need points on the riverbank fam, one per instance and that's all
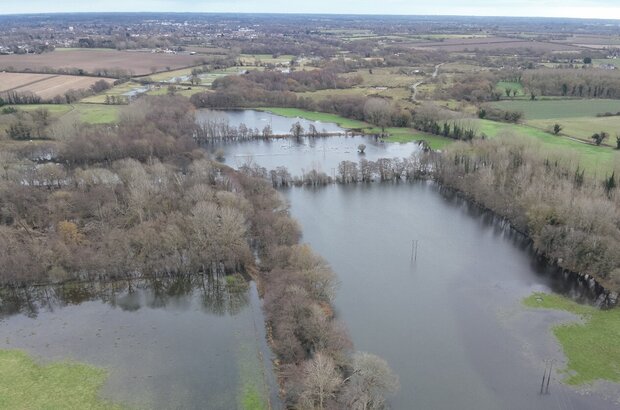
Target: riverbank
(590, 344)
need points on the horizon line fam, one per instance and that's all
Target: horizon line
(309, 14)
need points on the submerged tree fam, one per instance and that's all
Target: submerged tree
(369, 382)
(297, 130)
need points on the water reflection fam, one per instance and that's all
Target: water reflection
(218, 295)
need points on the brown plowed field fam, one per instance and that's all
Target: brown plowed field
(91, 61)
(45, 86)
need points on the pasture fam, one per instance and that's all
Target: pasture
(46, 86)
(88, 113)
(94, 61)
(597, 160)
(556, 108)
(583, 127)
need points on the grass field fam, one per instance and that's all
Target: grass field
(597, 160)
(318, 116)
(603, 61)
(591, 346)
(56, 386)
(583, 127)
(545, 109)
(503, 85)
(88, 113)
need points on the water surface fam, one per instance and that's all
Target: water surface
(450, 322)
(186, 343)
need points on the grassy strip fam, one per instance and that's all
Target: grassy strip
(592, 346)
(436, 142)
(25, 384)
(396, 134)
(98, 113)
(318, 116)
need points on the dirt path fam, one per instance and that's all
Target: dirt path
(414, 87)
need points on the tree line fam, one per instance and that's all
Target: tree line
(570, 216)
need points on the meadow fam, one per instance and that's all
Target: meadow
(556, 108)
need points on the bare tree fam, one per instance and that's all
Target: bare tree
(297, 130)
(378, 112)
(370, 380)
(321, 381)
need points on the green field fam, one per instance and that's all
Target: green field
(97, 113)
(502, 85)
(583, 127)
(56, 110)
(56, 386)
(545, 109)
(602, 61)
(318, 116)
(591, 346)
(597, 160)
(436, 142)
(88, 113)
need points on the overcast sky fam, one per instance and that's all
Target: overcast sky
(544, 8)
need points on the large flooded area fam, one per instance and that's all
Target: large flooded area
(448, 317)
(428, 281)
(184, 343)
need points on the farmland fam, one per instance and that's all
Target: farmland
(46, 86)
(96, 61)
(545, 109)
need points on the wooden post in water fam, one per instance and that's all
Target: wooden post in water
(549, 377)
(414, 250)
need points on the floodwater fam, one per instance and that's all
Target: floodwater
(183, 343)
(447, 318)
(450, 322)
(259, 119)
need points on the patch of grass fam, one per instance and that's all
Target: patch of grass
(24, 384)
(252, 393)
(436, 142)
(54, 109)
(557, 108)
(97, 113)
(597, 62)
(592, 346)
(583, 127)
(252, 399)
(502, 85)
(318, 116)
